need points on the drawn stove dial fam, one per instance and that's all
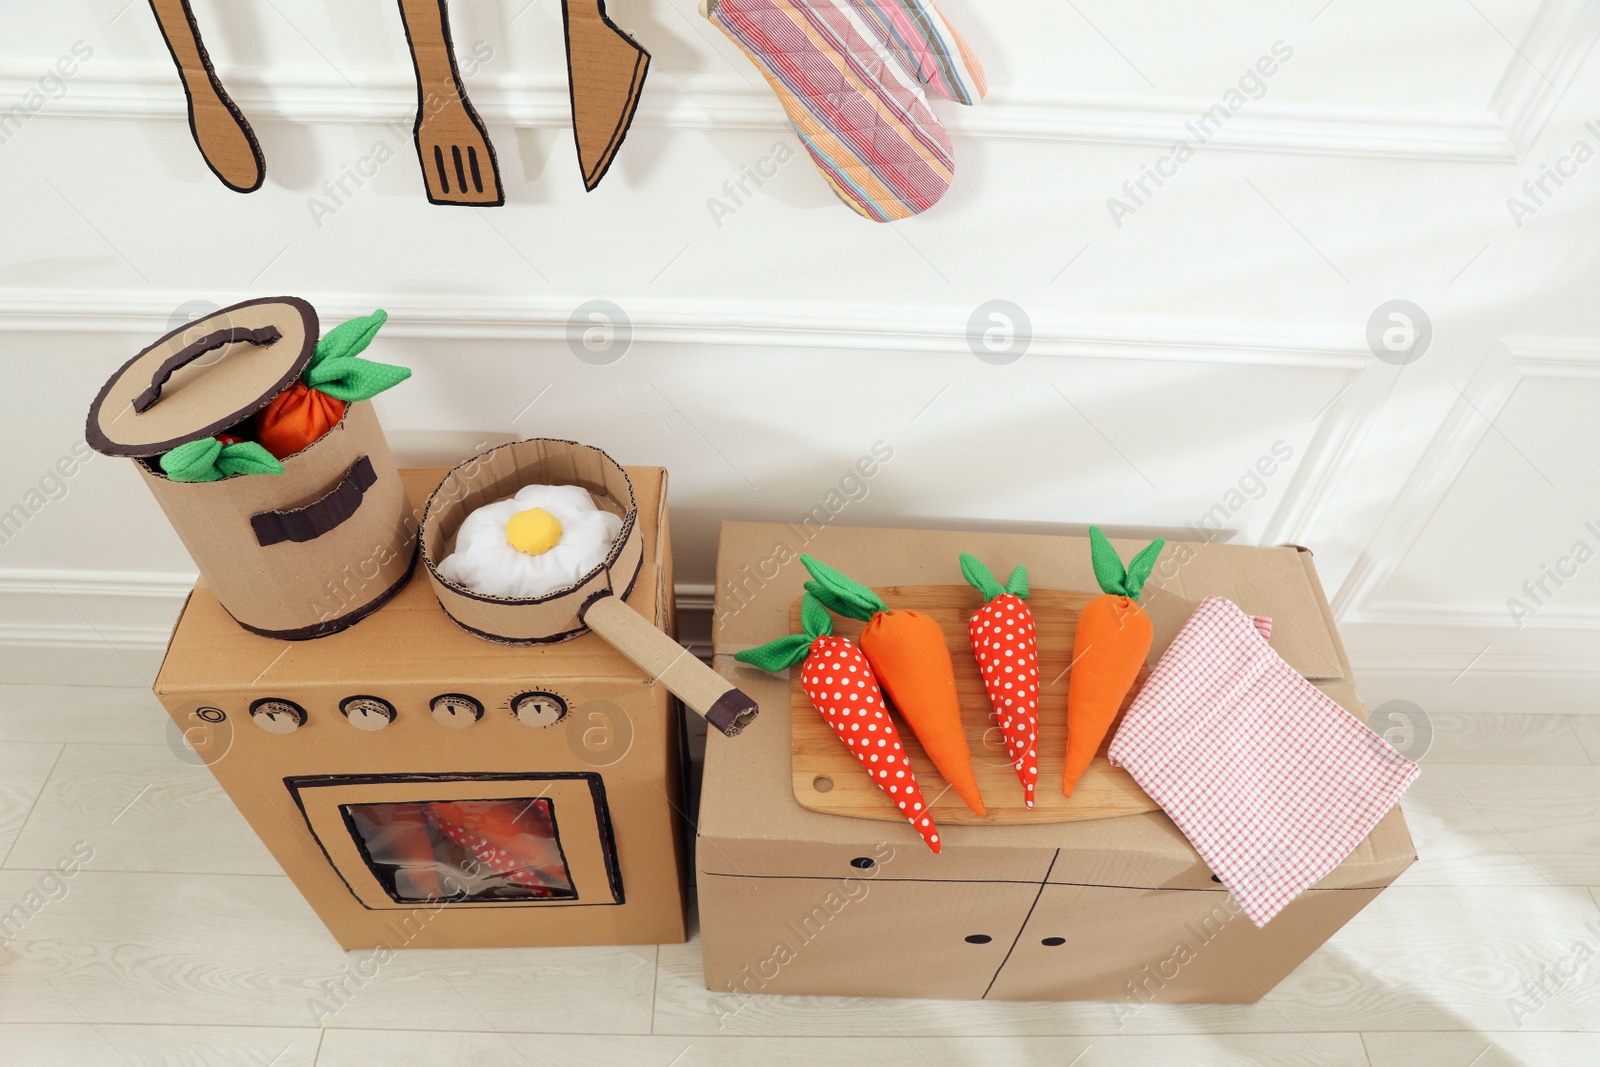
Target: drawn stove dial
(277, 716)
(367, 713)
(455, 710)
(539, 708)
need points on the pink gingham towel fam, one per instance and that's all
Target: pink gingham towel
(1272, 782)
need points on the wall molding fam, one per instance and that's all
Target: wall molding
(803, 325)
(1503, 130)
(92, 627)
(730, 104)
(1466, 424)
(1558, 40)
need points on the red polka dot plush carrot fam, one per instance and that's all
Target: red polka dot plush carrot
(1113, 640)
(840, 683)
(910, 655)
(1003, 639)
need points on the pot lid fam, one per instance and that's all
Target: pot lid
(203, 377)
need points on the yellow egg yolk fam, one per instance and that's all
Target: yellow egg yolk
(534, 531)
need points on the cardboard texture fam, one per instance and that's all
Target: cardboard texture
(224, 137)
(410, 709)
(1119, 910)
(295, 555)
(828, 778)
(595, 601)
(605, 76)
(458, 161)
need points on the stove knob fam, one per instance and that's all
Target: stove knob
(539, 708)
(455, 710)
(367, 713)
(277, 716)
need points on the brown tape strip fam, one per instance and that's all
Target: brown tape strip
(317, 518)
(266, 335)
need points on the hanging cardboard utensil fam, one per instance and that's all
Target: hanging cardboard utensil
(226, 141)
(295, 555)
(594, 602)
(605, 75)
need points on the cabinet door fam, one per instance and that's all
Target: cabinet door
(857, 936)
(1136, 946)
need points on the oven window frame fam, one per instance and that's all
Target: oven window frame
(298, 785)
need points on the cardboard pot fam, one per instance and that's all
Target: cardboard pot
(297, 555)
(595, 601)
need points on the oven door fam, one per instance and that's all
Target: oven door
(465, 840)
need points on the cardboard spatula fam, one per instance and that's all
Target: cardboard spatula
(225, 139)
(457, 157)
(605, 75)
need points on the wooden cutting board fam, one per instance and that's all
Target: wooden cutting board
(828, 779)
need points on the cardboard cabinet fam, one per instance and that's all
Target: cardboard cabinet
(1118, 910)
(870, 936)
(1185, 946)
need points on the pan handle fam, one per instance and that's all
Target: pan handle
(697, 685)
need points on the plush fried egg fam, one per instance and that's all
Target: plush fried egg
(543, 539)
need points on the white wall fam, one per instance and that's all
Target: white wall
(1170, 348)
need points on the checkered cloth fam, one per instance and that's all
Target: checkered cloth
(1272, 782)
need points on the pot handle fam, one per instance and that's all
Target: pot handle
(266, 335)
(700, 687)
(318, 517)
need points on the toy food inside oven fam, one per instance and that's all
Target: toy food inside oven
(465, 840)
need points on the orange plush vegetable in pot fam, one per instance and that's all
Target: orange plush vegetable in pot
(1113, 640)
(840, 683)
(311, 407)
(911, 658)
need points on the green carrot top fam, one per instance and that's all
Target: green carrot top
(979, 577)
(841, 594)
(336, 370)
(1108, 569)
(785, 652)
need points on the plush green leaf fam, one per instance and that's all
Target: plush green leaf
(1107, 564)
(777, 655)
(336, 370)
(814, 618)
(979, 577)
(1017, 584)
(1140, 566)
(209, 460)
(842, 595)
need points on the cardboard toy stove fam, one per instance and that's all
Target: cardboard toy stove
(1119, 909)
(427, 789)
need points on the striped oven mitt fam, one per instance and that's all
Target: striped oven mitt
(850, 74)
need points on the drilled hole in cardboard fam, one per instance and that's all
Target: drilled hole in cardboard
(863, 863)
(1214, 878)
(1054, 941)
(978, 939)
(822, 783)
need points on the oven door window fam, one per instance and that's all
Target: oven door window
(502, 849)
(465, 840)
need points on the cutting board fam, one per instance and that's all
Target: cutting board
(827, 778)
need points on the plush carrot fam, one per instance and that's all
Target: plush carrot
(1003, 640)
(842, 687)
(910, 656)
(1112, 643)
(301, 414)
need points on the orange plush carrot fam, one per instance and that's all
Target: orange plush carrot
(911, 658)
(1112, 643)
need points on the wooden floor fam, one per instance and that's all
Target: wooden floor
(181, 943)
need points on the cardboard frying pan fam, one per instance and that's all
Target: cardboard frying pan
(596, 602)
